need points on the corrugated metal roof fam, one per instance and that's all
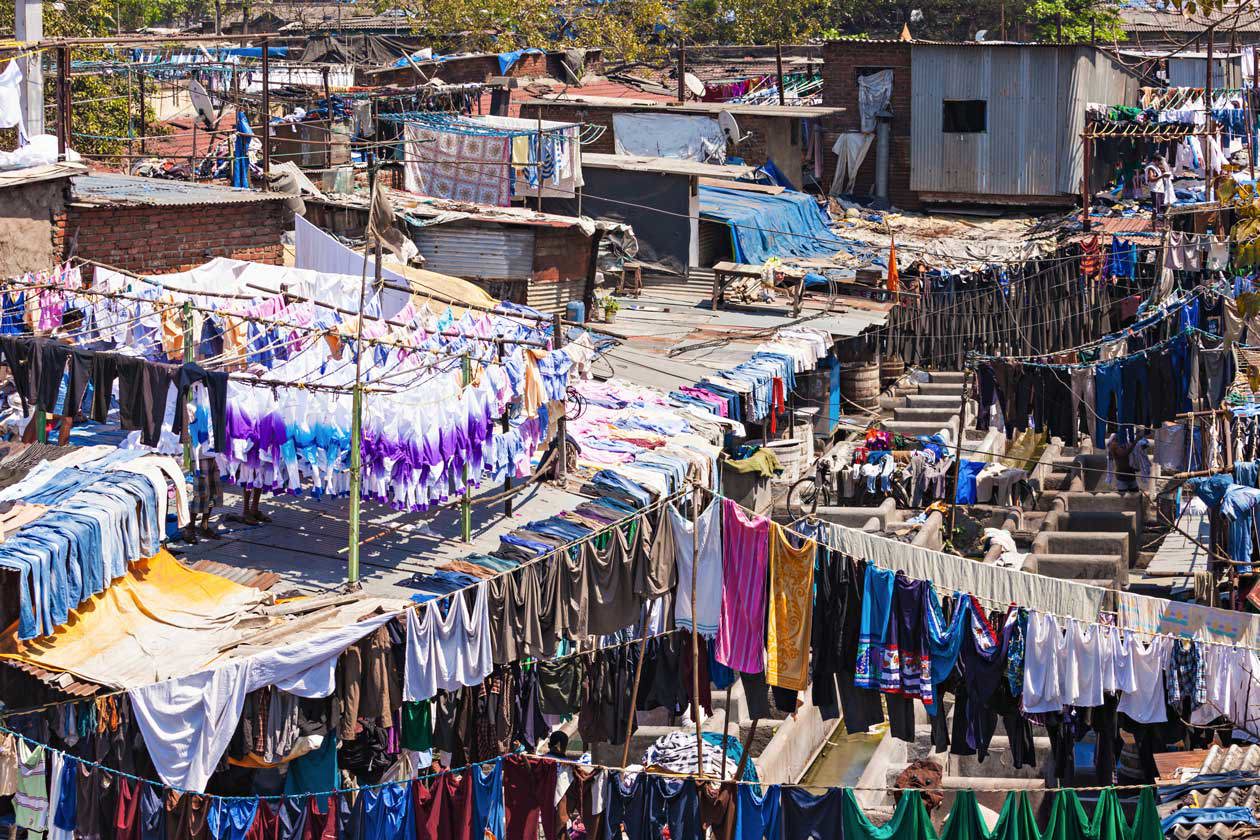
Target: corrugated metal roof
(1138, 19)
(243, 575)
(110, 189)
(34, 174)
(639, 104)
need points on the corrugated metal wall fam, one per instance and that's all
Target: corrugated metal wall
(481, 250)
(552, 297)
(1035, 108)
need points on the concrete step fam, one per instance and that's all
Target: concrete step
(953, 376)
(902, 427)
(924, 415)
(933, 401)
(952, 389)
(1073, 566)
(857, 517)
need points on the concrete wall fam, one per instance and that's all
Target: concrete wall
(33, 220)
(166, 239)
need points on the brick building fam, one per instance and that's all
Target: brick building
(975, 122)
(155, 227)
(770, 132)
(136, 224)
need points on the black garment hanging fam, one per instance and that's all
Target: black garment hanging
(216, 386)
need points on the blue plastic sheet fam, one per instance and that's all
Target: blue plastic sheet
(507, 59)
(762, 226)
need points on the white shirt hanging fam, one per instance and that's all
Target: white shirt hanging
(1045, 653)
(11, 100)
(1148, 702)
(708, 575)
(447, 652)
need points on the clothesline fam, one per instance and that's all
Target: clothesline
(576, 763)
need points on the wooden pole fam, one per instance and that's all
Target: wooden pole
(695, 627)
(1208, 127)
(638, 673)
(538, 163)
(682, 71)
(63, 102)
(356, 420)
(778, 70)
(1255, 108)
(328, 155)
(962, 419)
(726, 729)
(266, 133)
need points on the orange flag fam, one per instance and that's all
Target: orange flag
(893, 282)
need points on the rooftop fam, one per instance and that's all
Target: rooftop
(639, 104)
(106, 189)
(669, 336)
(673, 166)
(35, 174)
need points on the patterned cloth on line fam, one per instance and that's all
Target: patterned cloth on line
(474, 168)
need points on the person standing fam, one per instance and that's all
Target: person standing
(1159, 180)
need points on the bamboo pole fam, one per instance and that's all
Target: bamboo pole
(695, 627)
(638, 674)
(356, 431)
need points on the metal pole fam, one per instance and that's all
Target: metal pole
(28, 26)
(465, 503)
(1087, 142)
(266, 125)
(778, 71)
(356, 420)
(562, 426)
(695, 627)
(218, 17)
(144, 126)
(188, 357)
(1255, 106)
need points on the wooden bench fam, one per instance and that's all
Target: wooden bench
(725, 273)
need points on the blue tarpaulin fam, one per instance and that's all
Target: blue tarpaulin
(789, 224)
(254, 52)
(507, 59)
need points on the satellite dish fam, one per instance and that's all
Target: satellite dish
(982, 34)
(730, 128)
(694, 84)
(201, 102)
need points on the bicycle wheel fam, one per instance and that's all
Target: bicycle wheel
(802, 497)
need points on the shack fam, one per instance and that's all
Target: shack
(968, 123)
(537, 259)
(658, 197)
(788, 135)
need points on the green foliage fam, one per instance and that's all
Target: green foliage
(100, 101)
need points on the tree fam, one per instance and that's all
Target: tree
(101, 114)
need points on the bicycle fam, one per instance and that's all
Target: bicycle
(804, 495)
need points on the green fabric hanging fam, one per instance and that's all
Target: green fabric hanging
(1068, 820)
(910, 821)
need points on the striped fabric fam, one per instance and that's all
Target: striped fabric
(741, 630)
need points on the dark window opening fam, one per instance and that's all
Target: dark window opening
(964, 116)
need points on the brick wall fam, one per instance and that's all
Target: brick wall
(842, 62)
(479, 68)
(166, 239)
